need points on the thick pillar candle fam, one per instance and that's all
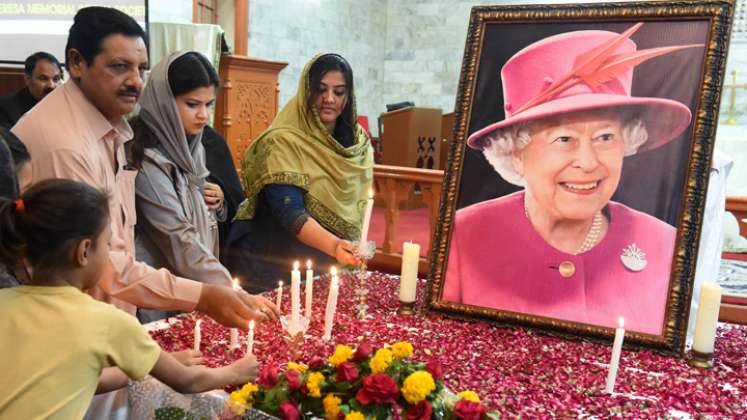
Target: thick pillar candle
(408, 280)
(707, 318)
(295, 294)
(367, 217)
(309, 293)
(615, 359)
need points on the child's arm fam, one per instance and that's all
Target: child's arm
(111, 379)
(193, 379)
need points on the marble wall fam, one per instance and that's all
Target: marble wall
(296, 30)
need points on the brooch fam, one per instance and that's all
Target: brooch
(633, 258)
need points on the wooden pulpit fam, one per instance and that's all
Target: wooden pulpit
(447, 135)
(247, 101)
(411, 137)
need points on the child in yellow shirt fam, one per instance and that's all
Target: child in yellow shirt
(56, 340)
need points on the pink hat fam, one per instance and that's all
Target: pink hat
(583, 70)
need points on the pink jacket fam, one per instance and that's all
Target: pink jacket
(497, 260)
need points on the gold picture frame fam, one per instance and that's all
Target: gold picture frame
(687, 196)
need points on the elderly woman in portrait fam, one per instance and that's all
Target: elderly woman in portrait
(561, 248)
(306, 181)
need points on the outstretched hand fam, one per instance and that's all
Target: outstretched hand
(235, 308)
(345, 253)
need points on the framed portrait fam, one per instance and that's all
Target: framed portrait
(576, 182)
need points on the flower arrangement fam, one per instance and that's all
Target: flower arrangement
(357, 385)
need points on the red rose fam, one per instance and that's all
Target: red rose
(363, 352)
(421, 411)
(289, 411)
(294, 379)
(316, 363)
(347, 372)
(304, 390)
(379, 388)
(435, 369)
(468, 410)
(268, 377)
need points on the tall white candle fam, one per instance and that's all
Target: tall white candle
(707, 320)
(279, 297)
(198, 335)
(615, 360)
(250, 339)
(408, 279)
(329, 313)
(295, 294)
(367, 216)
(235, 332)
(309, 294)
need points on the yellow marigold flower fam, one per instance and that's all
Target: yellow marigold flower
(342, 354)
(417, 386)
(299, 367)
(331, 406)
(355, 415)
(313, 383)
(246, 392)
(381, 360)
(469, 396)
(402, 349)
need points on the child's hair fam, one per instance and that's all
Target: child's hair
(48, 219)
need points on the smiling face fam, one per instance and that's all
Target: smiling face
(330, 98)
(114, 79)
(194, 108)
(573, 163)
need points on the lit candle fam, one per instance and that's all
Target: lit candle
(367, 217)
(198, 335)
(250, 339)
(309, 288)
(235, 332)
(295, 294)
(329, 313)
(707, 319)
(279, 297)
(615, 360)
(408, 279)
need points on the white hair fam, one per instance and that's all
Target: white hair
(502, 143)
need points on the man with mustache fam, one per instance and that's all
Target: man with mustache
(43, 73)
(78, 132)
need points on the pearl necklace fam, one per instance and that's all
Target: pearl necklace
(592, 236)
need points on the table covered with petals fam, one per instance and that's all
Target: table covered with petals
(517, 372)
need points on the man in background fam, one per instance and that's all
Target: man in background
(43, 73)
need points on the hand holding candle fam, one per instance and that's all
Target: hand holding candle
(309, 289)
(615, 360)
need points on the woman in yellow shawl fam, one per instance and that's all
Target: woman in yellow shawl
(306, 181)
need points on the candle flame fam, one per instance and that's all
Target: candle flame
(251, 324)
(333, 271)
(280, 283)
(621, 322)
(235, 283)
(308, 264)
(370, 193)
(296, 265)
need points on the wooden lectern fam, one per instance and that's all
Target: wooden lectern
(411, 137)
(247, 102)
